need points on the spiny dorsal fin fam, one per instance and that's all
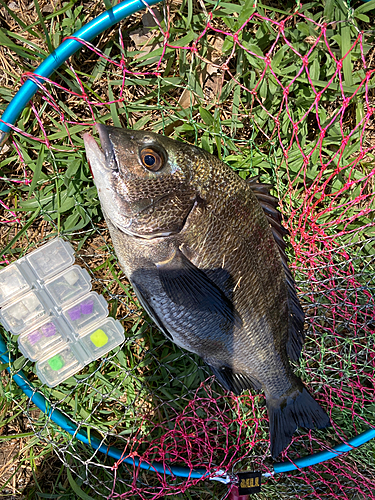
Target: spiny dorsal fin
(270, 204)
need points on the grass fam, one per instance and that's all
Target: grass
(140, 390)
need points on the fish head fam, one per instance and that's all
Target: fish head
(144, 180)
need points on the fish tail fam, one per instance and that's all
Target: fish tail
(296, 409)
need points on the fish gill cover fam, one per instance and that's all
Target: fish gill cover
(283, 93)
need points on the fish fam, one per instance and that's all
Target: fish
(204, 251)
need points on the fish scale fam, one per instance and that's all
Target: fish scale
(195, 241)
(240, 263)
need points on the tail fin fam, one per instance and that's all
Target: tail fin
(297, 409)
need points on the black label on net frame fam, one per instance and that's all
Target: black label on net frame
(249, 482)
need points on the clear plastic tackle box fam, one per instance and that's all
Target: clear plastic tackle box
(62, 325)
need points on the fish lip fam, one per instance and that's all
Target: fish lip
(94, 153)
(107, 147)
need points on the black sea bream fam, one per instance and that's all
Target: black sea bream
(204, 252)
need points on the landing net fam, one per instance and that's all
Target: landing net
(288, 96)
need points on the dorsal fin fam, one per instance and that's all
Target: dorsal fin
(270, 204)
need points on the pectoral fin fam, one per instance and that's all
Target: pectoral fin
(187, 285)
(149, 309)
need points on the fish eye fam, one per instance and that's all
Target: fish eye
(151, 159)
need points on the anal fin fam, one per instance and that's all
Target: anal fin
(235, 382)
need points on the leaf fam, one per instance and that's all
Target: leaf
(363, 17)
(66, 203)
(71, 221)
(347, 62)
(20, 233)
(206, 144)
(19, 363)
(262, 89)
(328, 9)
(77, 490)
(63, 133)
(228, 44)
(246, 11)
(43, 25)
(278, 57)
(255, 49)
(139, 124)
(185, 40)
(18, 20)
(303, 28)
(195, 85)
(235, 109)
(273, 9)
(230, 8)
(190, 14)
(113, 108)
(72, 169)
(18, 49)
(6, 41)
(315, 70)
(365, 8)
(206, 116)
(187, 99)
(102, 62)
(359, 111)
(227, 89)
(38, 169)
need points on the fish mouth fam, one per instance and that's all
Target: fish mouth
(107, 147)
(103, 157)
(95, 156)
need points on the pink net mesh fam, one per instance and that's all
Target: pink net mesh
(275, 92)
